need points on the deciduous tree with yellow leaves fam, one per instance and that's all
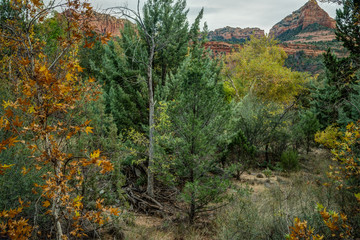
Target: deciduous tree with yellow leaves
(258, 68)
(48, 95)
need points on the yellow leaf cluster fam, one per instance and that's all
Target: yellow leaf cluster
(329, 137)
(14, 228)
(337, 223)
(301, 231)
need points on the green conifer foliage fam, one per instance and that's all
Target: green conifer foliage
(348, 27)
(306, 128)
(125, 94)
(198, 117)
(106, 139)
(241, 153)
(163, 36)
(336, 95)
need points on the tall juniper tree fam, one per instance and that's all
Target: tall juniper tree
(111, 65)
(198, 116)
(163, 34)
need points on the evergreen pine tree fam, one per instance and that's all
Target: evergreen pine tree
(334, 98)
(197, 114)
(125, 95)
(163, 35)
(348, 27)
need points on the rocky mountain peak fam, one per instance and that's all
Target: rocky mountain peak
(309, 14)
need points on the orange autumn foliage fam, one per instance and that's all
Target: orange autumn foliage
(344, 148)
(48, 95)
(15, 228)
(335, 222)
(301, 231)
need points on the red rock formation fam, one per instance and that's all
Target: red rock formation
(309, 50)
(221, 48)
(102, 23)
(229, 33)
(309, 14)
(105, 23)
(312, 13)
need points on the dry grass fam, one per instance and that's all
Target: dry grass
(269, 209)
(275, 202)
(154, 228)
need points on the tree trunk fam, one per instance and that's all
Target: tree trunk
(192, 209)
(267, 158)
(56, 205)
(150, 182)
(192, 201)
(57, 196)
(238, 175)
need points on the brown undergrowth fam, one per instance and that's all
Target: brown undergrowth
(260, 208)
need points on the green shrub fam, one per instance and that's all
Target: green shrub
(289, 160)
(267, 172)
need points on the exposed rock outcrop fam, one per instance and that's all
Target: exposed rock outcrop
(308, 49)
(220, 48)
(235, 34)
(223, 48)
(105, 23)
(307, 15)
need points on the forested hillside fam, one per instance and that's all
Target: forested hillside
(149, 135)
(305, 35)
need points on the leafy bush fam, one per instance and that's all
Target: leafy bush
(306, 128)
(267, 172)
(345, 175)
(289, 160)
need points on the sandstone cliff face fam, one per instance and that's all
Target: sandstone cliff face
(221, 48)
(309, 50)
(307, 15)
(105, 23)
(235, 34)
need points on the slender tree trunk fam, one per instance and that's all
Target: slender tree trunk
(56, 205)
(192, 209)
(267, 158)
(150, 182)
(238, 175)
(57, 196)
(192, 203)
(192, 175)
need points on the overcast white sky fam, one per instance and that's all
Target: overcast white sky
(234, 13)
